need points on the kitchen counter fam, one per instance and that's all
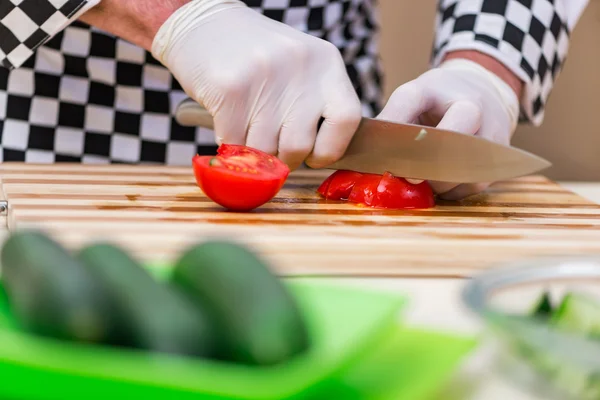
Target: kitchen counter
(436, 303)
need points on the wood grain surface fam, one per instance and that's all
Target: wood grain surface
(157, 211)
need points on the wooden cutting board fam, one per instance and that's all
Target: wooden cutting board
(158, 211)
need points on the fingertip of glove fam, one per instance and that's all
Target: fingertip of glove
(462, 191)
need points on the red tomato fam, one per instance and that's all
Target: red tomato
(322, 190)
(396, 193)
(339, 185)
(365, 189)
(240, 178)
(342, 183)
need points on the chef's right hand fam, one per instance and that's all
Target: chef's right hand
(266, 84)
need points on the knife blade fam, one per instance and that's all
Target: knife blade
(414, 151)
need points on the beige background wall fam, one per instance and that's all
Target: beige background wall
(570, 134)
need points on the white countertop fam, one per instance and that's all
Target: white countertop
(436, 303)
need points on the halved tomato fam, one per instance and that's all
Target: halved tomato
(365, 189)
(240, 178)
(339, 185)
(396, 193)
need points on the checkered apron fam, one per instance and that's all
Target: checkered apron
(87, 96)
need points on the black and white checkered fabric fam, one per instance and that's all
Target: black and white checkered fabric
(531, 37)
(25, 24)
(71, 92)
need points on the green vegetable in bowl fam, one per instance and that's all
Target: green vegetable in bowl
(543, 307)
(578, 313)
(575, 313)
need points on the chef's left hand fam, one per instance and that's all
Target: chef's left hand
(460, 95)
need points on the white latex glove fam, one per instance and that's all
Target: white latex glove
(463, 96)
(266, 84)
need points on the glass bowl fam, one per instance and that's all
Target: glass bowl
(550, 361)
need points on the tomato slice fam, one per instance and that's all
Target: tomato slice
(339, 185)
(397, 193)
(240, 178)
(322, 190)
(365, 189)
(342, 184)
(377, 191)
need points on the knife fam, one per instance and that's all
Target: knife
(413, 151)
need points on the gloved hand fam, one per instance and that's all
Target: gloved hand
(462, 96)
(266, 84)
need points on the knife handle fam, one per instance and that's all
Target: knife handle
(191, 113)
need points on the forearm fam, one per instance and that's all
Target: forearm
(492, 64)
(136, 21)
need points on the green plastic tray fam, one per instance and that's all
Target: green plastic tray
(345, 323)
(410, 364)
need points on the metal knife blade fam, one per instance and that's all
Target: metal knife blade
(414, 151)
(421, 152)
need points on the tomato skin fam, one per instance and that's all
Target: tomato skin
(239, 178)
(339, 185)
(378, 191)
(322, 190)
(342, 184)
(396, 193)
(365, 189)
